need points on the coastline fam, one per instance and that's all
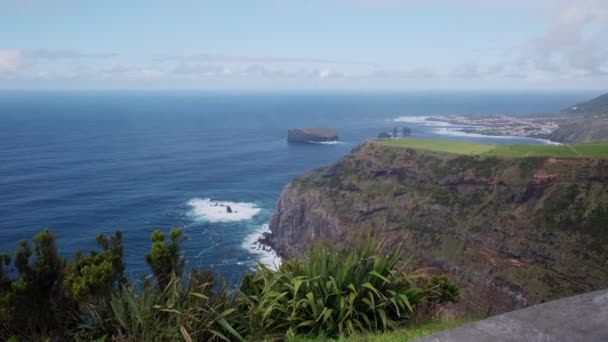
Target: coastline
(254, 243)
(496, 126)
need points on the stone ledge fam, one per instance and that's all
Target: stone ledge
(573, 319)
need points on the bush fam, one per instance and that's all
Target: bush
(174, 313)
(164, 258)
(34, 304)
(330, 292)
(339, 292)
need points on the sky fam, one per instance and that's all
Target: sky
(304, 44)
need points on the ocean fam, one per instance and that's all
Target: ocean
(82, 163)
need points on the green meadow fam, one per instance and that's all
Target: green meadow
(515, 151)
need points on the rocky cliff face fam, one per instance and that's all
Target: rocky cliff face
(511, 232)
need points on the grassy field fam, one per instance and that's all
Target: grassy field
(396, 336)
(457, 147)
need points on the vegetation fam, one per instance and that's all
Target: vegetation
(402, 335)
(341, 292)
(457, 147)
(514, 151)
(451, 207)
(331, 293)
(598, 105)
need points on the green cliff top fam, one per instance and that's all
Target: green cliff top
(466, 148)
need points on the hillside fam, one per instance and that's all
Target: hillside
(595, 106)
(511, 230)
(583, 122)
(581, 129)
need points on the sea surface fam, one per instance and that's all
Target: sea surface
(82, 163)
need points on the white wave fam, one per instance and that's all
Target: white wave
(217, 211)
(424, 120)
(264, 254)
(548, 142)
(458, 133)
(333, 142)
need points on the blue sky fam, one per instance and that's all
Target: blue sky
(304, 44)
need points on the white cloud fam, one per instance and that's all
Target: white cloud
(64, 54)
(415, 73)
(10, 61)
(131, 73)
(468, 70)
(253, 59)
(576, 43)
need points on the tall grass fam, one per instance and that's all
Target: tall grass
(335, 292)
(174, 313)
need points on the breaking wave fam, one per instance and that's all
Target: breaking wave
(423, 120)
(264, 254)
(333, 142)
(205, 209)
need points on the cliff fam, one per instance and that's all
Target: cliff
(299, 135)
(511, 231)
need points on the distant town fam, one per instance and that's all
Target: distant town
(500, 125)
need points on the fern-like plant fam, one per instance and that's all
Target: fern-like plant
(334, 292)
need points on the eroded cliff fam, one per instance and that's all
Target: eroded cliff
(511, 232)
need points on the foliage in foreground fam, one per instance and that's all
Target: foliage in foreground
(340, 292)
(403, 334)
(329, 293)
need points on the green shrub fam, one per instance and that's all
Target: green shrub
(98, 272)
(34, 304)
(331, 292)
(175, 312)
(164, 258)
(334, 292)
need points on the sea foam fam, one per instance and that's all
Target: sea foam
(333, 142)
(206, 209)
(423, 120)
(458, 133)
(264, 254)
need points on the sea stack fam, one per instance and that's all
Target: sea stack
(307, 135)
(384, 135)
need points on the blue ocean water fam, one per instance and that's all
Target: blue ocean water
(81, 163)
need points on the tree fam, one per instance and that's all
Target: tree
(164, 258)
(99, 272)
(34, 303)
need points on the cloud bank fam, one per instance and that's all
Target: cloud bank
(571, 50)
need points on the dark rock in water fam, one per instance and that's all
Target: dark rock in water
(406, 132)
(228, 210)
(302, 135)
(384, 135)
(264, 239)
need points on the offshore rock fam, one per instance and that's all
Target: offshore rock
(304, 135)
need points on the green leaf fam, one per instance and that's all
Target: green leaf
(229, 328)
(379, 276)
